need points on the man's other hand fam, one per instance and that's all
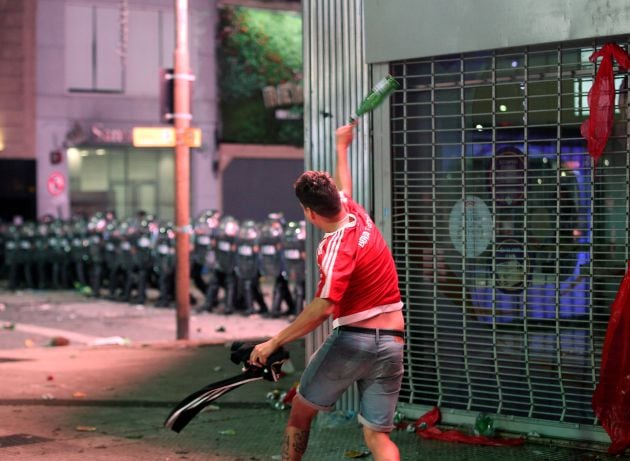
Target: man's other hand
(261, 353)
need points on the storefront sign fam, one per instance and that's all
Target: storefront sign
(101, 134)
(165, 136)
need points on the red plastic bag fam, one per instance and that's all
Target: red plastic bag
(611, 399)
(426, 428)
(601, 98)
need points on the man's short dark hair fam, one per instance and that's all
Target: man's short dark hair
(317, 190)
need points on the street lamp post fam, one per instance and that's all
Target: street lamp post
(182, 117)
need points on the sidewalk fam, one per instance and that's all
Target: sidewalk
(97, 403)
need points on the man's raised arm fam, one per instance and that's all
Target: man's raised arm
(343, 178)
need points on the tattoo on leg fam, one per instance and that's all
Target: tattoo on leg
(294, 443)
(285, 447)
(300, 441)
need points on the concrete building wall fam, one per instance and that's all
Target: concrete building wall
(17, 79)
(403, 29)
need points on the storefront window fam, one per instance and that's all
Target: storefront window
(123, 179)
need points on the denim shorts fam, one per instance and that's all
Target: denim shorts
(374, 362)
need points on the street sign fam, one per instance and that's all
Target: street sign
(56, 183)
(192, 137)
(165, 136)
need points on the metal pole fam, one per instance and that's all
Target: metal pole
(182, 116)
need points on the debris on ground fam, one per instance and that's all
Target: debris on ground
(364, 453)
(111, 341)
(85, 428)
(58, 341)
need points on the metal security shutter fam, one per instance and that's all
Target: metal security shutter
(510, 245)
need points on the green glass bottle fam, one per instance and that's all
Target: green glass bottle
(376, 97)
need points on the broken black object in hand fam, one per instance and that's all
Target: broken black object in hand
(190, 406)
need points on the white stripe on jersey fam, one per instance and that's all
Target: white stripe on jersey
(328, 264)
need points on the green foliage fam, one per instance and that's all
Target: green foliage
(257, 48)
(247, 121)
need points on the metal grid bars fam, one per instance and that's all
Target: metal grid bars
(510, 244)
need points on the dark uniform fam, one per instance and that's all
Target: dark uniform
(112, 258)
(295, 257)
(247, 268)
(203, 256)
(223, 273)
(41, 253)
(79, 254)
(273, 266)
(96, 250)
(11, 258)
(140, 238)
(26, 257)
(164, 264)
(60, 249)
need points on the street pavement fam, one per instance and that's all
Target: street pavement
(104, 395)
(35, 317)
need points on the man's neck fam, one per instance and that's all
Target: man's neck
(335, 223)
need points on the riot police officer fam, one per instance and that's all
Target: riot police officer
(3, 237)
(112, 257)
(79, 254)
(295, 257)
(164, 264)
(223, 273)
(203, 258)
(41, 251)
(273, 265)
(128, 231)
(60, 249)
(140, 238)
(96, 250)
(11, 258)
(247, 268)
(26, 258)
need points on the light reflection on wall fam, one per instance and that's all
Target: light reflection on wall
(74, 161)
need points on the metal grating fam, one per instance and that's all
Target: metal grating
(510, 244)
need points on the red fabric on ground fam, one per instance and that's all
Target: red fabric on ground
(426, 428)
(611, 399)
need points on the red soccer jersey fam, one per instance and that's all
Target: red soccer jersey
(356, 269)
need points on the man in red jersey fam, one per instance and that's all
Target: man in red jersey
(358, 286)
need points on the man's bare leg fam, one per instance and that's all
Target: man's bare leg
(381, 446)
(297, 430)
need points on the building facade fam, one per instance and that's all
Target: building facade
(510, 239)
(78, 77)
